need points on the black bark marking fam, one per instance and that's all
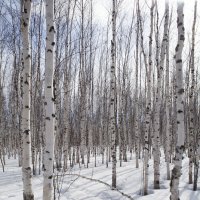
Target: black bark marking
(181, 91)
(43, 168)
(26, 82)
(179, 61)
(182, 37)
(182, 147)
(26, 131)
(27, 57)
(25, 24)
(51, 28)
(177, 47)
(50, 177)
(180, 24)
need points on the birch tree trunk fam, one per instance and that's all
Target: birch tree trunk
(157, 121)
(67, 124)
(193, 157)
(26, 73)
(168, 105)
(112, 127)
(83, 87)
(148, 104)
(137, 140)
(49, 103)
(160, 67)
(176, 172)
(66, 93)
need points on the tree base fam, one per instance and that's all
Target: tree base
(156, 185)
(28, 196)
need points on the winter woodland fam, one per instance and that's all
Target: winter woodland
(99, 99)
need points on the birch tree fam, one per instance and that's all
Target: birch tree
(176, 172)
(148, 100)
(66, 90)
(82, 83)
(49, 103)
(193, 158)
(25, 81)
(112, 126)
(168, 105)
(160, 67)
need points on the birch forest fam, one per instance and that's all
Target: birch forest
(99, 99)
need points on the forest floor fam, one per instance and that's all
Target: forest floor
(79, 183)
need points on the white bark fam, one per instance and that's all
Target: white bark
(137, 141)
(66, 96)
(160, 66)
(67, 81)
(26, 64)
(112, 129)
(193, 157)
(83, 87)
(67, 125)
(176, 172)
(168, 105)
(148, 105)
(49, 103)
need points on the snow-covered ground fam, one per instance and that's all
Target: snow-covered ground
(73, 187)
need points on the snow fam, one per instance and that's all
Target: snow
(73, 187)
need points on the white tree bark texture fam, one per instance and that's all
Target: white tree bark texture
(148, 104)
(49, 103)
(168, 106)
(25, 81)
(160, 66)
(112, 125)
(176, 172)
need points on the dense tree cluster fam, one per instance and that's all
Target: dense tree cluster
(71, 88)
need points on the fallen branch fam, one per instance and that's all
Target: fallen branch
(96, 180)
